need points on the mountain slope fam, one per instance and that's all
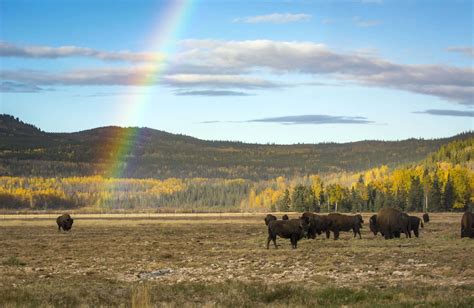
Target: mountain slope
(27, 151)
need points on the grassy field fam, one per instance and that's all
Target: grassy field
(221, 260)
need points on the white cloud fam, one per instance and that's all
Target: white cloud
(447, 82)
(275, 18)
(135, 76)
(213, 64)
(12, 50)
(466, 50)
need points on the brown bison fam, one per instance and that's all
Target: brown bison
(294, 229)
(317, 224)
(373, 224)
(269, 218)
(415, 224)
(65, 222)
(467, 225)
(391, 222)
(285, 217)
(426, 217)
(339, 222)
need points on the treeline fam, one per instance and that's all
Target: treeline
(445, 187)
(94, 193)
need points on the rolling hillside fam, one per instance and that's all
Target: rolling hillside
(27, 151)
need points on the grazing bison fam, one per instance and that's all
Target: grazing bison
(339, 222)
(415, 224)
(426, 217)
(285, 217)
(294, 229)
(65, 222)
(373, 224)
(317, 224)
(467, 225)
(391, 222)
(269, 218)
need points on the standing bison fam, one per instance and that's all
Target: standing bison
(65, 222)
(415, 224)
(467, 225)
(294, 229)
(317, 224)
(426, 217)
(391, 222)
(373, 224)
(339, 222)
(269, 218)
(285, 217)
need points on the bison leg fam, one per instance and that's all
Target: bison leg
(328, 234)
(268, 241)
(416, 232)
(274, 239)
(336, 234)
(294, 241)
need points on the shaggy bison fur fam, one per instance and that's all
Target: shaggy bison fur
(339, 222)
(317, 224)
(415, 224)
(294, 229)
(65, 222)
(285, 217)
(373, 224)
(467, 225)
(269, 218)
(391, 222)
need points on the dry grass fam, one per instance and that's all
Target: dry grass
(221, 260)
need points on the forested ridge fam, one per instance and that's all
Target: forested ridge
(27, 151)
(442, 180)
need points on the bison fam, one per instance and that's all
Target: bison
(373, 224)
(467, 225)
(415, 224)
(65, 222)
(269, 218)
(426, 217)
(391, 222)
(285, 217)
(339, 222)
(294, 229)
(317, 224)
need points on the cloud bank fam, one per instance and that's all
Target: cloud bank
(47, 52)
(238, 65)
(447, 112)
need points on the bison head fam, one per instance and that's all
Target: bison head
(269, 218)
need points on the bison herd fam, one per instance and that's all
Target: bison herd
(389, 222)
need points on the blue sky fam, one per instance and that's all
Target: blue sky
(260, 71)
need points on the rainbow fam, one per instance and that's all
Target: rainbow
(171, 19)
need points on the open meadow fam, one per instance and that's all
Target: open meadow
(221, 260)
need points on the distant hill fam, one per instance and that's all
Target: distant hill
(28, 151)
